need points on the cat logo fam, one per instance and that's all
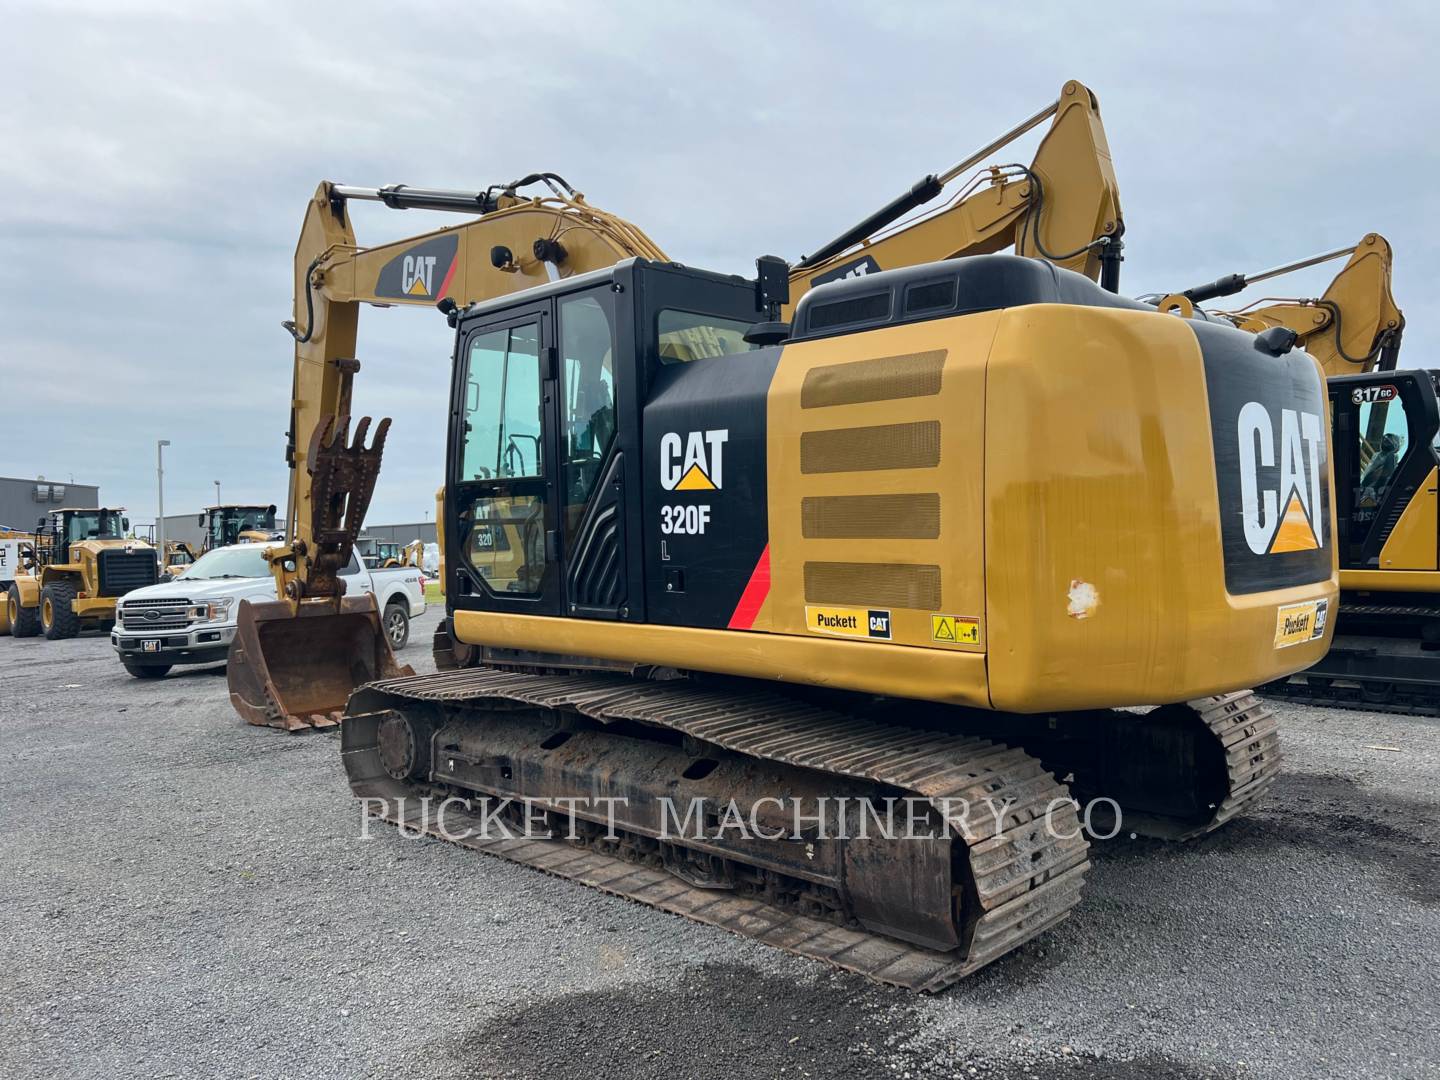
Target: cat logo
(417, 275)
(424, 271)
(1281, 508)
(693, 462)
(866, 264)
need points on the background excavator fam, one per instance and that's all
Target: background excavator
(1385, 425)
(706, 551)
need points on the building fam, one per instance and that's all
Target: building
(403, 534)
(186, 527)
(24, 502)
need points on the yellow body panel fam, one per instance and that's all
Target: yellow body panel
(960, 347)
(934, 675)
(1390, 580)
(1412, 543)
(29, 591)
(1105, 573)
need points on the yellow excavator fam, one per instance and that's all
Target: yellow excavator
(1064, 205)
(1385, 428)
(827, 556)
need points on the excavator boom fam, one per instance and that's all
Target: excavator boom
(295, 661)
(1063, 207)
(1353, 328)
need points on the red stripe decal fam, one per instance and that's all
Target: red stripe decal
(754, 595)
(449, 274)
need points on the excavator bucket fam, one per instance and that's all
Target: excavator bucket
(295, 670)
(293, 666)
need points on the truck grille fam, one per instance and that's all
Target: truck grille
(155, 614)
(122, 571)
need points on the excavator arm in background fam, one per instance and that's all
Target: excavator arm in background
(1063, 207)
(1353, 328)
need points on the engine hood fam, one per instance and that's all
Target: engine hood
(205, 589)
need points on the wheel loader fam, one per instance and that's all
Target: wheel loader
(74, 567)
(713, 548)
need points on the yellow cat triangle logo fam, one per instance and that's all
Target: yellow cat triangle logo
(418, 288)
(1295, 532)
(695, 480)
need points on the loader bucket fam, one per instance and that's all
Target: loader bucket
(296, 671)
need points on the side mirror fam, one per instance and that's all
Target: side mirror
(200, 521)
(124, 524)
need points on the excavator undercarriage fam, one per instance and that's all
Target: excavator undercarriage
(984, 852)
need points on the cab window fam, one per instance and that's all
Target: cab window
(504, 450)
(686, 336)
(589, 396)
(1383, 430)
(502, 405)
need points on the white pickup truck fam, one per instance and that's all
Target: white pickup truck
(191, 620)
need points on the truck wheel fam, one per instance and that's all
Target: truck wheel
(57, 615)
(396, 622)
(24, 622)
(147, 671)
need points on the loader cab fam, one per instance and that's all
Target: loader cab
(1386, 425)
(61, 528)
(546, 479)
(224, 525)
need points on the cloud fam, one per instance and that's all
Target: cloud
(157, 158)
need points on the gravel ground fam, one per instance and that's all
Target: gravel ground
(184, 895)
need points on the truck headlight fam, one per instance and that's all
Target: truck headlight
(213, 611)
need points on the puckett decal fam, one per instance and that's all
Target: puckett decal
(1296, 624)
(848, 622)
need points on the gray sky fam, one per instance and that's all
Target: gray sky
(155, 161)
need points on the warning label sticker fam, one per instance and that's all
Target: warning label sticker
(848, 622)
(955, 629)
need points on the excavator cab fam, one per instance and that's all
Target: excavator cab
(1385, 426)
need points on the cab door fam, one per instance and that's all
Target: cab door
(1385, 426)
(502, 513)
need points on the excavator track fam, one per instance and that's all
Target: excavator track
(919, 914)
(1249, 735)
(1384, 659)
(1176, 772)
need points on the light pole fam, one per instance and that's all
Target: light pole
(160, 445)
(217, 491)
